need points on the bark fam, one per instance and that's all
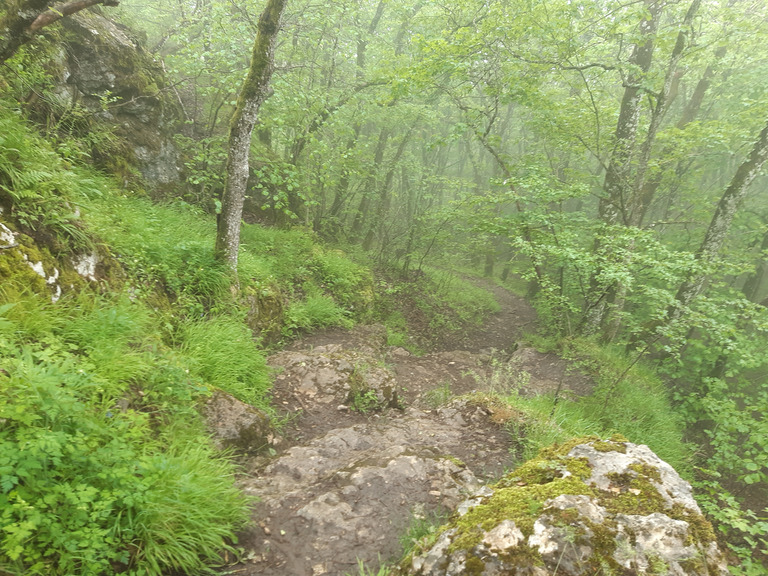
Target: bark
(721, 222)
(613, 207)
(613, 204)
(25, 18)
(751, 288)
(254, 91)
(385, 196)
(640, 201)
(363, 210)
(647, 189)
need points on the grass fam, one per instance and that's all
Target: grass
(636, 406)
(221, 353)
(105, 464)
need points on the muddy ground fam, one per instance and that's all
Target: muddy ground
(348, 477)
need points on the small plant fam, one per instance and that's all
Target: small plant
(505, 378)
(363, 570)
(365, 401)
(439, 396)
(422, 532)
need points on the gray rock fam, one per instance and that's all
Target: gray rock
(620, 509)
(362, 485)
(333, 374)
(238, 425)
(104, 69)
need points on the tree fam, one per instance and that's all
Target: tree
(254, 91)
(23, 19)
(721, 222)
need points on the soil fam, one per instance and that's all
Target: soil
(344, 484)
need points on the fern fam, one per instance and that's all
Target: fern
(37, 185)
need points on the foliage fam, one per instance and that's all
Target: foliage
(222, 353)
(87, 485)
(37, 186)
(627, 400)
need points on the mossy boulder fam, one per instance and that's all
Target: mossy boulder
(590, 506)
(235, 424)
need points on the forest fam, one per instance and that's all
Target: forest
(255, 171)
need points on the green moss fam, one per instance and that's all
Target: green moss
(521, 504)
(456, 461)
(646, 470)
(609, 446)
(700, 528)
(695, 565)
(656, 565)
(474, 566)
(638, 495)
(15, 271)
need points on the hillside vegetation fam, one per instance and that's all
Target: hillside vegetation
(603, 158)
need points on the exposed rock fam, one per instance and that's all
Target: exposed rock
(237, 424)
(85, 265)
(588, 507)
(351, 490)
(7, 237)
(332, 374)
(265, 313)
(105, 72)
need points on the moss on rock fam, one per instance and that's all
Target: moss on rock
(584, 507)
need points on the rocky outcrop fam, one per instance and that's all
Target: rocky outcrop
(355, 489)
(235, 424)
(29, 264)
(104, 74)
(588, 507)
(331, 374)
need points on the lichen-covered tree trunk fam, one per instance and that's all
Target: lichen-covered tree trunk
(23, 19)
(637, 202)
(721, 222)
(647, 191)
(254, 91)
(613, 207)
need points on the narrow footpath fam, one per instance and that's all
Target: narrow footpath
(376, 437)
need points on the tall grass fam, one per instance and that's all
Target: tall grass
(222, 353)
(92, 478)
(630, 401)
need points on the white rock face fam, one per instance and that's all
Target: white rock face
(85, 265)
(7, 237)
(635, 515)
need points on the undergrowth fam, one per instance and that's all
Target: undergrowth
(105, 463)
(626, 400)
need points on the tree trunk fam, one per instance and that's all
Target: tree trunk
(254, 91)
(640, 201)
(751, 288)
(363, 210)
(613, 207)
(721, 222)
(24, 19)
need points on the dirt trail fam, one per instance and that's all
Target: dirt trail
(347, 483)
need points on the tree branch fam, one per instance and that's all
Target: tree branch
(54, 14)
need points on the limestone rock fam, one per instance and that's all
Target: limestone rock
(332, 374)
(588, 507)
(360, 484)
(104, 71)
(237, 424)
